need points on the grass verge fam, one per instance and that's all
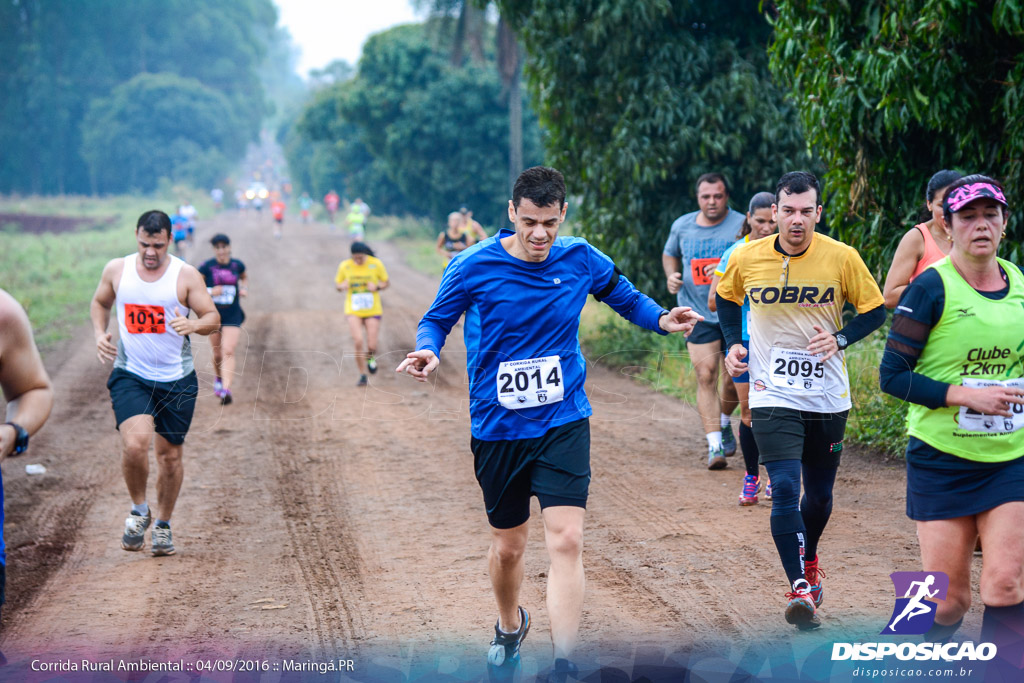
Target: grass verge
(54, 275)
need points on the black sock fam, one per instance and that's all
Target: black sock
(162, 524)
(789, 535)
(1004, 626)
(750, 453)
(939, 633)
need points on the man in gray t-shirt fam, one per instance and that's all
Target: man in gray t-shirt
(692, 251)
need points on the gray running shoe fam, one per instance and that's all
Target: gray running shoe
(162, 544)
(728, 441)
(362, 381)
(716, 459)
(135, 530)
(505, 646)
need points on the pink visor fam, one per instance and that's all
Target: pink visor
(965, 194)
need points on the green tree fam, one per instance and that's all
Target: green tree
(331, 155)
(641, 98)
(412, 127)
(891, 91)
(159, 126)
(60, 55)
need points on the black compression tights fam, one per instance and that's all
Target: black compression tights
(796, 525)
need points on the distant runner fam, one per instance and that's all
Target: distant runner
(454, 239)
(227, 281)
(362, 278)
(758, 224)
(331, 203)
(693, 248)
(277, 208)
(305, 205)
(356, 220)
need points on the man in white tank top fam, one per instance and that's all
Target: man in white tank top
(153, 385)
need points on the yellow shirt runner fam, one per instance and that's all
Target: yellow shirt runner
(358, 299)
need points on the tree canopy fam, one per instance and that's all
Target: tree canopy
(641, 98)
(891, 91)
(61, 55)
(156, 126)
(414, 132)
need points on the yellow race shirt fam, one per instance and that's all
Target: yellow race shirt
(358, 300)
(788, 295)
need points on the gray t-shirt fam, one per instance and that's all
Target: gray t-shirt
(697, 247)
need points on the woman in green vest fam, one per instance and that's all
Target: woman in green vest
(955, 353)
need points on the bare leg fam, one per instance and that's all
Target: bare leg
(170, 473)
(563, 534)
(228, 342)
(372, 334)
(216, 342)
(705, 360)
(355, 326)
(1002, 572)
(506, 564)
(136, 435)
(947, 545)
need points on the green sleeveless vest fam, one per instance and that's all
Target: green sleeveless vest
(977, 338)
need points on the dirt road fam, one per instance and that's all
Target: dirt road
(320, 520)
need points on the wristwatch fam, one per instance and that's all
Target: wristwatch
(20, 440)
(841, 340)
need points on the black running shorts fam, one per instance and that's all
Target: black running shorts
(554, 467)
(816, 439)
(705, 333)
(170, 403)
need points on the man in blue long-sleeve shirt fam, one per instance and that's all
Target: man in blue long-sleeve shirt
(522, 291)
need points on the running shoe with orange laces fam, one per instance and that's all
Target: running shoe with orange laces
(800, 611)
(814, 575)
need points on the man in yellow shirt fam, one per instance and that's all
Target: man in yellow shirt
(797, 283)
(362, 278)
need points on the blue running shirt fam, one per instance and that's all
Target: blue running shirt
(522, 311)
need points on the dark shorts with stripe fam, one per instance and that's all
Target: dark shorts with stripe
(943, 486)
(170, 403)
(555, 467)
(816, 439)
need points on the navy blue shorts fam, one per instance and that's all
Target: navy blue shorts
(170, 403)
(554, 467)
(945, 489)
(705, 333)
(231, 316)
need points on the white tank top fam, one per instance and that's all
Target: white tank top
(148, 346)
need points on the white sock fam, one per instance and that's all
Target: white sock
(726, 421)
(142, 508)
(714, 440)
